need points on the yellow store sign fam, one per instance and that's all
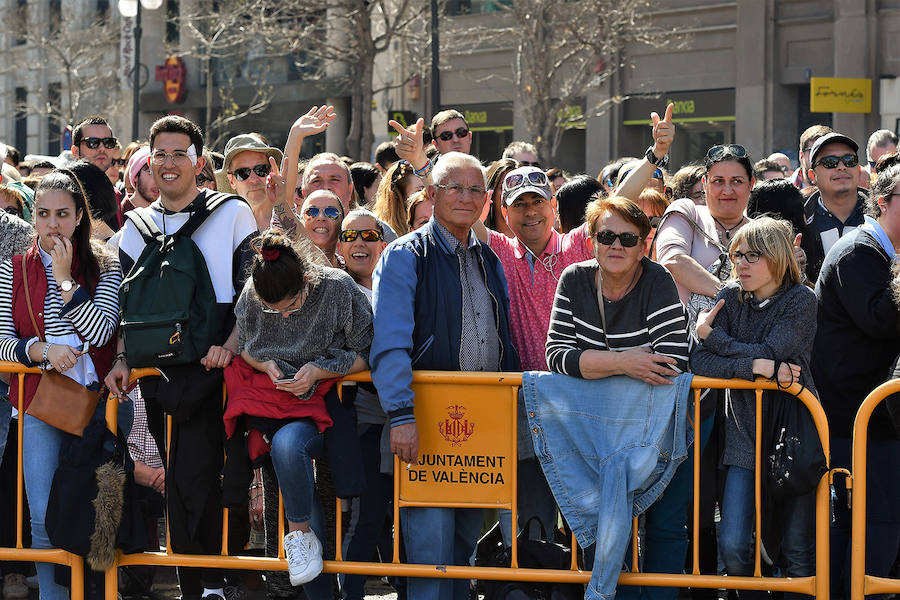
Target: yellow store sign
(840, 95)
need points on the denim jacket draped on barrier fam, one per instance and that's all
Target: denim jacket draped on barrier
(608, 448)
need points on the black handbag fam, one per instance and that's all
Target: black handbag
(794, 461)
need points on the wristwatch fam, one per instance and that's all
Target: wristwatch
(656, 162)
(67, 285)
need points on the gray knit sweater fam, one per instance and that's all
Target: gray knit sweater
(333, 326)
(781, 327)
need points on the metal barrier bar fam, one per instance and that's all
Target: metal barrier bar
(20, 553)
(817, 585)
(860, 583)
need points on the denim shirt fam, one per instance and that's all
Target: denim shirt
(609, 448)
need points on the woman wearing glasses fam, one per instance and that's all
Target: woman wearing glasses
(619, 314)
(763, 324)
(300, 327)
(322, 214)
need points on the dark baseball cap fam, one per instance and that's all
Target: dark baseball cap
(831, 138)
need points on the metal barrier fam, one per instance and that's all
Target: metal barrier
(19, 553)
(860, 583)
(497, 394)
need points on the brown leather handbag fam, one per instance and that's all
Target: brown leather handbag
(59, 400)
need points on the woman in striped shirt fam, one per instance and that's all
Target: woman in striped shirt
(620, 314)
(74, 287)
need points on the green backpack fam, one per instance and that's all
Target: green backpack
(167, 300)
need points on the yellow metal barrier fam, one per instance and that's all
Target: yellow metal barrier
(442, 408)
(860, 583)
(51, 555)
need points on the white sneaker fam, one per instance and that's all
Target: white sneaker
(304, 556)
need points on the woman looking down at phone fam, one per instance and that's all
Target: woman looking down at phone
(300, 327)
(73, 287)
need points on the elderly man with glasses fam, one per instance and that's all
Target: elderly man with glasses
(441, 303)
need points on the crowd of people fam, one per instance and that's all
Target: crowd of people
(287, 273)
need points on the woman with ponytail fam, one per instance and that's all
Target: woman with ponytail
(300, 327)
(73, 288)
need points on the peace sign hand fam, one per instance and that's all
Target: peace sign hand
(663, 132)
(410, 146)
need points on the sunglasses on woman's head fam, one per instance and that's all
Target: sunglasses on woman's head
(717, 153)
(654, 222)
(329, 211)
(368, 235)
(243, 174)
(608, 238)
(460, 132)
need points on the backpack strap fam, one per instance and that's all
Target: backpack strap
(145, 224)
(213, 201)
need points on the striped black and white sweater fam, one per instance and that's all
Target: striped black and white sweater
(650, 315)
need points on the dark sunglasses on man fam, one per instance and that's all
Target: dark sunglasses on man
(460, 133)
(831, 162)
(94, 142)
(329, 211)
(368, 235)
(118, 162)
(243, 174)
(608, 238)
(528, 163)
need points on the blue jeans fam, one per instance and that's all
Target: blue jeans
(666, 541)
(293, 448)
(439, 536)
(736, 544)
(40, 459)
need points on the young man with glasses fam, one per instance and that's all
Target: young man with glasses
(193, 392)
(93, 141)
(838, 207)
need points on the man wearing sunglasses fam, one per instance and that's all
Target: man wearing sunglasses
(246, 167)
(838, 206)
(451, 132)
(93, 141)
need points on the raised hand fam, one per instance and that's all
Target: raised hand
(410, 146)
(316, 120)
(663, 131)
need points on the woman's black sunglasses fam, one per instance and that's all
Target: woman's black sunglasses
(608, 238)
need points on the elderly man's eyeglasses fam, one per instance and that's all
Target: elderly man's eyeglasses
(446, 136)
(94, 142)
(515, 180)
(608, 238)
(751, 256)
(831, 162)
(261, 170)
(368, 235)
(455, 190)
(329, 211)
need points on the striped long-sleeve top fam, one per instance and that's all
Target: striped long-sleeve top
(650, 315)
(93, 319)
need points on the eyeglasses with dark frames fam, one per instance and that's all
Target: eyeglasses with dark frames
(262, 170)
(751, 256)
(94, 142)
(608, 238)
(446, 136)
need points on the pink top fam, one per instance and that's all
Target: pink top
(531, 292)
(677, 236)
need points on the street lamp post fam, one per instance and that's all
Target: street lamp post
(132, 8)
(435, 61)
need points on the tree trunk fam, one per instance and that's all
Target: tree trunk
(207, 119)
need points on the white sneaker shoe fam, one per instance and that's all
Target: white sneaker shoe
(304, 556)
